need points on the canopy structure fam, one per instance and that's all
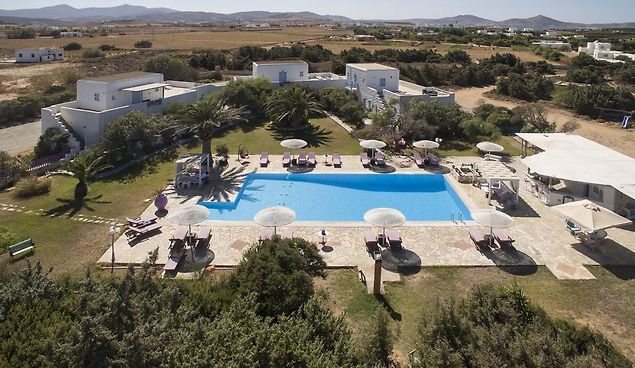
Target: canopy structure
(192, 169)
(384, 217)
(591, 216)
(274, 217)
(493, 219)
(426, 145)
(490, 147)
(493, 171)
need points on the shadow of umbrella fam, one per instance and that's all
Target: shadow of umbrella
(513, 261)
(386, 169)
(197, 260)
(402, 261)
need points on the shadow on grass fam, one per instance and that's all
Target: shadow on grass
(314, 136)
(70, 207)
(143, 168)
(613, 256)
(396, 316)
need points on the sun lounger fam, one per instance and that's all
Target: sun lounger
(492, 157)
(173, 261)
(502, 238)
(203, 233)
(265, 235)
(337, 161)
(286, 159)
(264, 159)
(480, 241)
(370, 238)
(432, 159)
(302, 158)
(142, 221)
(286, 234)
(380, 159)
(311, 159)
(363, 157)
(134, 232)
(572, 227)
(179, 235)
(418, 159)
(393, 239)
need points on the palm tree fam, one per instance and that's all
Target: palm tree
(204, 117)
(83, 167)
(291, 107)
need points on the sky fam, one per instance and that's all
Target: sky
(585, 11)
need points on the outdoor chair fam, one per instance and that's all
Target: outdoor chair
(380, 159)
(302, 159)
(135, 232)
(394, 239)
(264, 159)
(432, 159)
(503, 239)
(418, 159)
(337, 161)
(142, 221)
(204, 235)
(371, 242)
(311, 159)
(480, 241)
(173, 261)
(286, 159)
(573, 228)
(363, 157)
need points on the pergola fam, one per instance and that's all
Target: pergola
(192, 169)
(497, 171)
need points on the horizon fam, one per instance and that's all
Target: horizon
(616, 11)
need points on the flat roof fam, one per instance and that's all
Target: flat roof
(280, 62)
(121, 76)
(145, 87)
(575, 158)
(371, 66)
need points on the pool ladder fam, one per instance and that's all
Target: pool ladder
(458, 218)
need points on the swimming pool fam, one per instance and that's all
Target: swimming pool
(343, 197)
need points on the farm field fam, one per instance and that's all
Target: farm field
(184, 39)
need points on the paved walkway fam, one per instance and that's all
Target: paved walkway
(20, 138)
(540, 234)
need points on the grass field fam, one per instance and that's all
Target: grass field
(185, 40)
(604, 304)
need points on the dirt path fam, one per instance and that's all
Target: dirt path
(610, 135)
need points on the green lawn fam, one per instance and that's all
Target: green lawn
(604, 304)
(325, 136)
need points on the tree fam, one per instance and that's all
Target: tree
(475, 130)
(446, 118)
(53, 141)
(171, 68)
(251, 93)
(129, 134)
(535, 119)
(291, 107)
(10, 170)
(377, 345)
(83, 167)
(72, 46)
(204, 117)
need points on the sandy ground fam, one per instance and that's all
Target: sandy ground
(610, 135)
(15, 77)
(20, 138)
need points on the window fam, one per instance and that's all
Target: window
(19, 55)
(32, 55)
(60, 54)
(97, 97)
(302, 74)
(382, 82)
(113, 97)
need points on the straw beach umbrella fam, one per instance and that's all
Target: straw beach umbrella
(372, 144)
(384, 217)
(490, 147)
(274, 217)
(426, 145)
(590, 215)
(293, 144)
(493, 219)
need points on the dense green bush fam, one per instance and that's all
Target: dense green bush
(476, 130)
(343, 104)
(72, 46)
(7, 239)
(528, 87)
(171, 68)
(547, 53)
(251, 93)
(458, 56)
(24, 107)
(208, 59)
(53, 141)
(32, 186)
(144, 44)
(587, 74)
(10, 170)
(130, 135)
(446, 118)
(92, 53)
(498, 326)
(107, 47)
(20, 33)
(589, 100)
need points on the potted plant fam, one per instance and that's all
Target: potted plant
(160, 200)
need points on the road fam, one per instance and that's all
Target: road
(20, 138)
(610, 135)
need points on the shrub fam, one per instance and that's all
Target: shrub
(92, 53)
(32, 186)
(589, 100)
(7, 239)
(10, 170)
(208, 59)
(20, 33)
(106, 47)
(144, 44)
(171, 68)
(129, 135)
(252, 94)
(530, 87)
(20, 108)
(72, 46)
(587, 74)
(222, 150)
(475, 130)
(53, 141)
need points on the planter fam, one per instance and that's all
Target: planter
(161, 201)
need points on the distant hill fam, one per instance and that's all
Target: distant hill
(68, 13)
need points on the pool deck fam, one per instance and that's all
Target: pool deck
(540, 234)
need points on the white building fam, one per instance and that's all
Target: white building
(557, 45)
(72, 34)
(602, 51)
(364, 38)
(377, 84)
(282, 71)
(568, 167)
(551, 34)
(101, 100)
(39, 55)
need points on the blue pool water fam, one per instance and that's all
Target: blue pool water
(343, 197)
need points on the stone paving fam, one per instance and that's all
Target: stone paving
(540, 234)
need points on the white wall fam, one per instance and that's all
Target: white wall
(36, 55)
(110, 93)
(296, 72)
(361, 78)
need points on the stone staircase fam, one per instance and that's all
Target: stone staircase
(377, 99)
(74, 141)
